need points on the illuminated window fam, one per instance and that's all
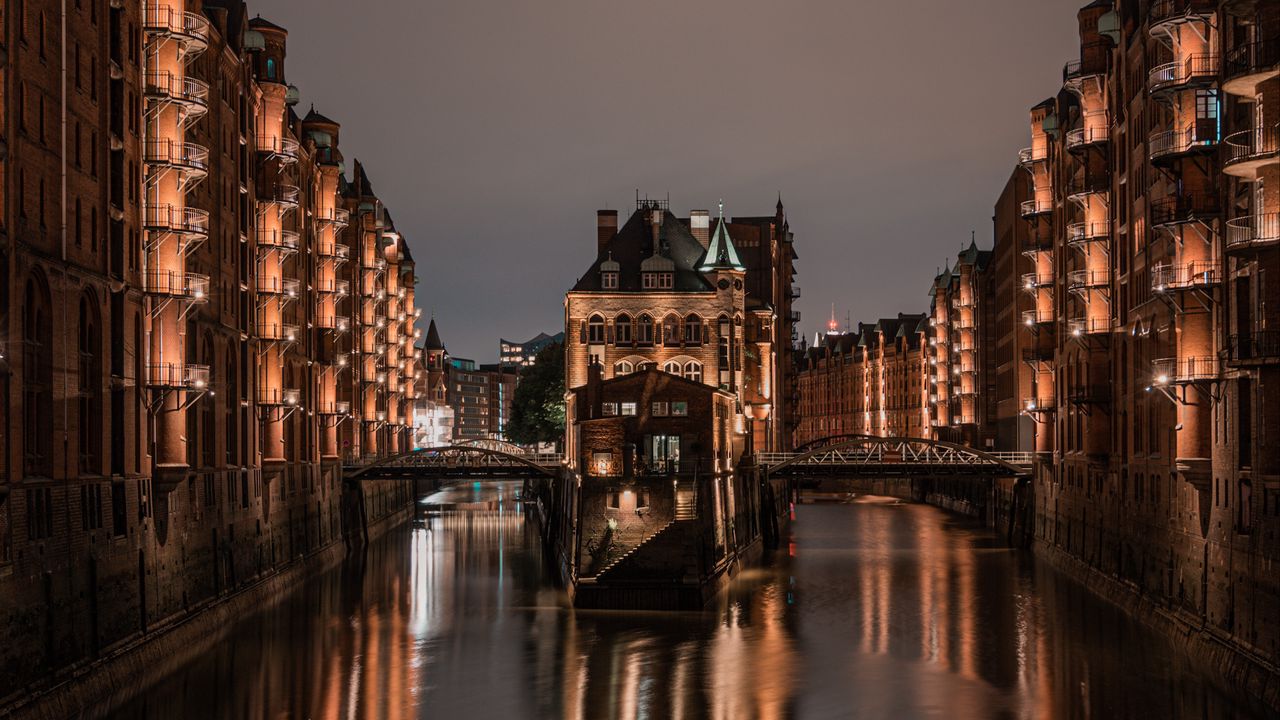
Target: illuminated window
(595, 330)
(693, 371)
(622, 330)
(623, 367)
(693, 330)
(628, 408)
(644, 330)
(680, 408)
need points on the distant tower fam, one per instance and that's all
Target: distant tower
(833, 327)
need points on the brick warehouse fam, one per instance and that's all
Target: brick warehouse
(1124, 324)
(197, 332)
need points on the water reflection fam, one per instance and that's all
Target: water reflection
(877, 609)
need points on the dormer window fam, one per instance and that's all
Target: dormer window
(657, 280)
(609, 280)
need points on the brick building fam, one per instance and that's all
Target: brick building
(194, 333)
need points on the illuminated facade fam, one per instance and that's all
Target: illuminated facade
(195, 334)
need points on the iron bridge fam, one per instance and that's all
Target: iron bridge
(485, 459)
(870, 455)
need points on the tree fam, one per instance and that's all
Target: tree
(537, 410)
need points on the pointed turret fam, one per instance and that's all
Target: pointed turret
(721, 254)
(433, 338)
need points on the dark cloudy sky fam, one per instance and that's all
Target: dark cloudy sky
(494, 130)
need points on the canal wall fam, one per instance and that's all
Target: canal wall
(91, 686)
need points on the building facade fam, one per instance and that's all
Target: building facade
(183, 322)
(517, 355)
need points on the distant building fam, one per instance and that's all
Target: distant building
(434, 418)
(521, 354)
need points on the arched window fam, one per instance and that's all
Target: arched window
(622, 329)
(37, 380)
(90, 385)
(693, 330)
(595, 330)
(644, 330)
(623, 367)
(693, 371)
(271, 68)
(671, 367)
(723, 339)
(645, 366)
(671, 330)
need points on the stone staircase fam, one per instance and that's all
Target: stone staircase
(686, 507)
(632, 551)
(668, 555)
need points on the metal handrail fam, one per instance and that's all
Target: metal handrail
(193, 27)
(283, 194)
(282, 146)
(1165, 277)
(1249, 231)
(1029, 155)
(1252, 144)
(1174, 142)
(185, 155)
(1181, 72)
(1256, 345)
(1036, 207)
(1252, 57)
(268, 285)
(186, 90)
(1183, 370)
(1077, 279)
(1088, 326)
(1037, 317)
(175, 283)
(186, 220)
(1183, 208)
(1087, 136)
(177, 375)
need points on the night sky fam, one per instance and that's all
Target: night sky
(495, 130)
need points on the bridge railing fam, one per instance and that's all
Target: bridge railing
(889, 455)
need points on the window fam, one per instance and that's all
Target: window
(622, 330)
(693, 330)
(271, 68)
(602, 463)
(671, 330)
(661, 409)
(680, 408)
(609, 409)
(595, 330)
(671, 367)
(644, 330)
(91, 506)
(39, 513)
(614, 499)
(693, 371)
(623, 367)
(609, 280)
(628, 408)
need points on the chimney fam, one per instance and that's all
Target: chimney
(700, 226)
(606, 228)
(655, 225)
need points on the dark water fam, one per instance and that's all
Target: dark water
(875, 610)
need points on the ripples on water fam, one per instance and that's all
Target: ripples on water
(874, 610)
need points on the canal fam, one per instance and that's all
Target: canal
(875, 609)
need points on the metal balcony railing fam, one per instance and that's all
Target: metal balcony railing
(170, 218)
(1037, 317)
(1255, 58)
(190, 158)
(1081, 234)
(338, 252)
(282, 147)
(276, 331)
(1088, 326)
(1083, 137)
(1165, 11)
(1168, 143)
(282, 194)
(335, 407)
(1249, 232)
(278, 240)
(1167, 277)
(1034, 281)
(1088, 279)
(1194, 69)
(1030, 208)
(268, 285)
(288, 397)
(1184, 370)
(164, 86)
(190, 28)
(172, 283)
(177, 375)
(1030, 155)
(1183, 208)
(1247, 150)
(1261, 346)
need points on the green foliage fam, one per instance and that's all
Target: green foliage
(537, 412)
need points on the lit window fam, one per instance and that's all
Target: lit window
(622, 330)
(661, 409)
(628, 408)
(610, 409)
(693, 371)
(644, 330)
(623, 367)
(693, 330)
(595, 330)
(680, 408)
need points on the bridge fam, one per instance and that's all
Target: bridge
(874, 456)
(471, 460)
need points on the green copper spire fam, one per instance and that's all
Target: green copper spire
(721, 254)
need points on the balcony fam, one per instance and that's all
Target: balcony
(1081, 235)
(1080, 327)
(277, 332)
(1168, 277)
(1036, 405)
(335, 215)
(1253, 232)
(1032, 155)
(1184, 371)
(341, 288)
(189, 286)
(1095, 394)
(1082, 138)
(1178, 209)
(1093, 63)
(165, 87)
(286, 287)
(1084, 280)
(1193, 71)
(282, 194)
(1032, 282)
(1033, 318)
(190, 159)
(1169, 145)
(964, 419)
(179, 220)
(1247, 65)
(1249, 151)
(1032, 208)
(335, 323)
(177, 376)
(280, 397)
(334, 251)
(1165, 13)
(283, 148)
(1261, 347)
(335, 407)
(284, 241)
(1081, 187)
(190, 29)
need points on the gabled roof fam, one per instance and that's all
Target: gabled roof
(258, 22)
(433, 338)
(721, 253)
(633, 244)
(315, 117)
